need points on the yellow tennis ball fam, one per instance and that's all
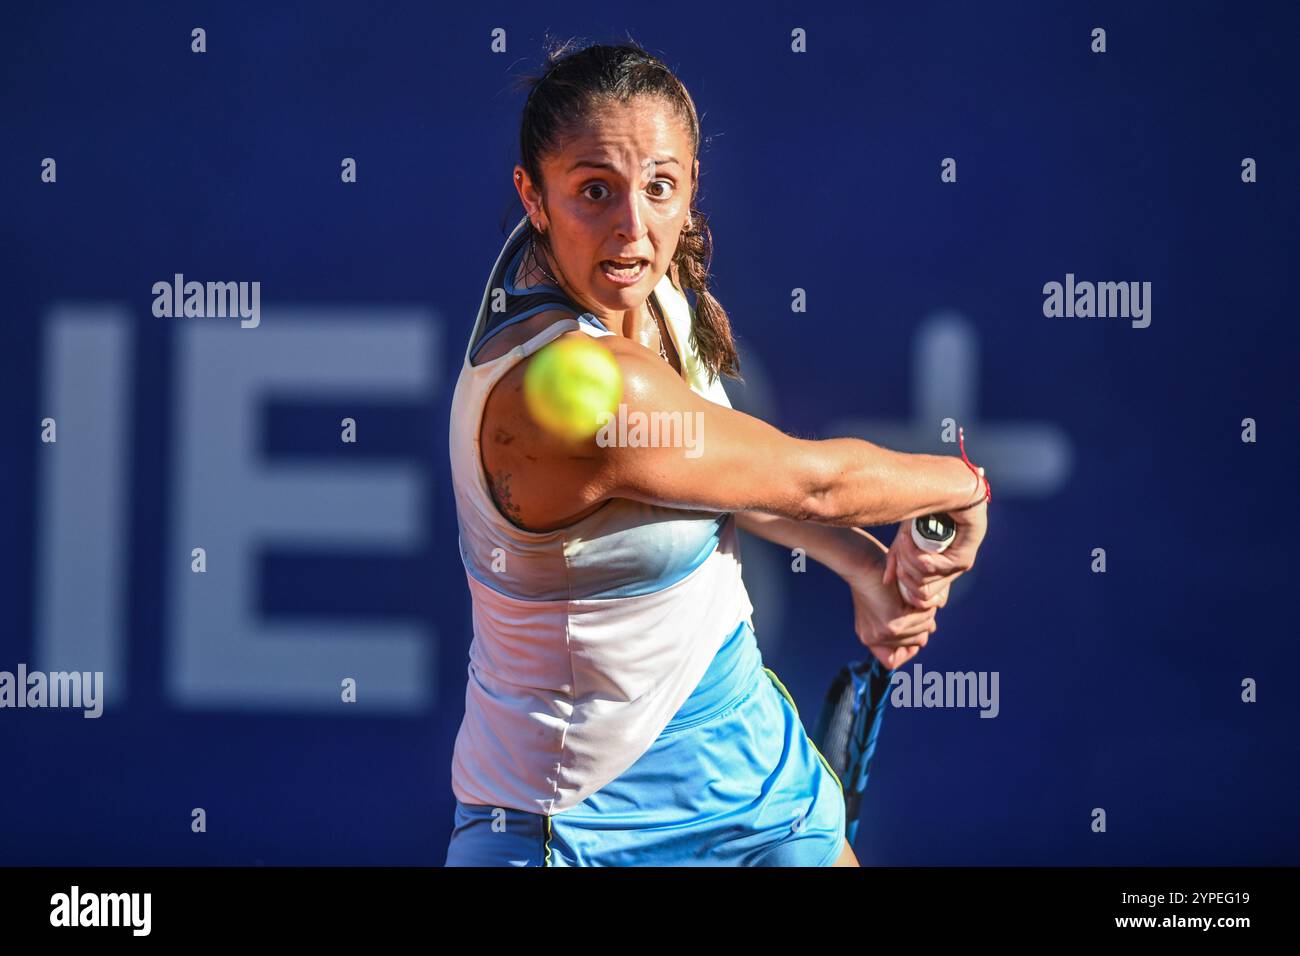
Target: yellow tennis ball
(571, 387)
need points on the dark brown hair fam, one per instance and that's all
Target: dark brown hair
(574, 80)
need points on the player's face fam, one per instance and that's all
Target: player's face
(619, 188)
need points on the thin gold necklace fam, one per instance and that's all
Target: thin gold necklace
(660, 329)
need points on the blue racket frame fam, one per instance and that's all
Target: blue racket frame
(866, 686)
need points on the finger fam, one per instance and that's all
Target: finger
(909, 571)
(916, 640)
(934, 593)
(919, 639)
(883, 646)
(921, 597)
(910, 622)
(898, 658)
(889, 568)
(884, 655)
(905, 623)
(907, 594)
(907, 582)
(933, 565)
(926, 584)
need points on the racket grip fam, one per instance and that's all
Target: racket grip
(931, 533)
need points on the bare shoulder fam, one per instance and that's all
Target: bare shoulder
(540, 481)
(537, 482)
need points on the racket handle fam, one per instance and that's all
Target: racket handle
(931, 533)
(934, 532)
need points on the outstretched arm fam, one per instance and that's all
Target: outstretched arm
(732, 461)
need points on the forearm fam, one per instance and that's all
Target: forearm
(861, 483)
(842, 549)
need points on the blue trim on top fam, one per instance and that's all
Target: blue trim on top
(507, 283)
(586, 316)
(513, 267)
(487, 336)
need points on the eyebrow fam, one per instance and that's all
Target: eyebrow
(593, 164)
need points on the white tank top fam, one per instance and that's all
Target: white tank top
(587, 639)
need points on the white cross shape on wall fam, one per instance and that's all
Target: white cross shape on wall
(1022, 458)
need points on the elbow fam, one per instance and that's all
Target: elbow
(817, 499)
(820, 508)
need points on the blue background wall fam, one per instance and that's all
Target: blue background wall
(1118, 690)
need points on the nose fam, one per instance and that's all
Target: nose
(631, 221)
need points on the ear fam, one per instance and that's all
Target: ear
(528, 194)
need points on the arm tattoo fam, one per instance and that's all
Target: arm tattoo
(501, 494)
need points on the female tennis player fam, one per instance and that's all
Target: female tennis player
(617, 711)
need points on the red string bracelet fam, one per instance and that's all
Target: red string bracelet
(979, 472)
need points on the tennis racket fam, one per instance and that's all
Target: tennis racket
(854, 707)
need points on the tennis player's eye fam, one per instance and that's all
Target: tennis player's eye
(594, 186)
(665, 193)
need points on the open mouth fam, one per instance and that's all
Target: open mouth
(624, 270)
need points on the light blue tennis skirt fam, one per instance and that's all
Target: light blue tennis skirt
(733, 780)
